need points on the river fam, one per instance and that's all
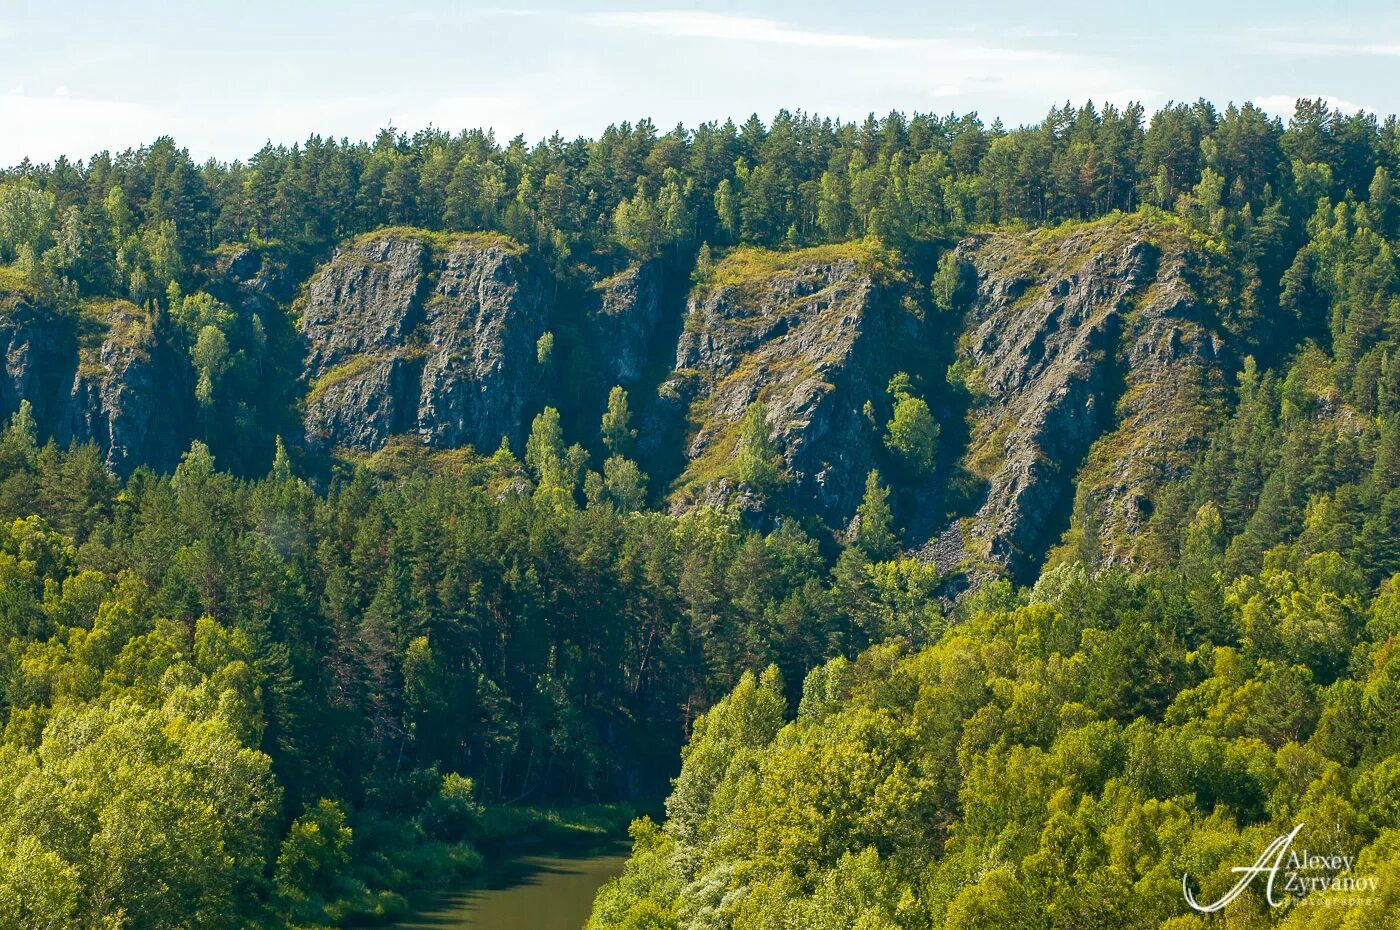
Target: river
(526, 893)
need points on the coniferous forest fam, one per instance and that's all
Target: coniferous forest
(931, 523)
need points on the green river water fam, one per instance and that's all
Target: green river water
(548, 892)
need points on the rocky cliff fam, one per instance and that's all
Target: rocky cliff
(1098, 367)
(251, 278)
(40, 354)
(430, 335)
(99, 374)
(1093, 355)
(623, 321)
(131, 392)
(813, 335)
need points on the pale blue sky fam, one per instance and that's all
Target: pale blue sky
(223, 77)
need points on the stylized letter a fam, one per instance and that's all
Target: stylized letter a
(1274, 851)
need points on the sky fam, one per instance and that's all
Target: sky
(223, 78)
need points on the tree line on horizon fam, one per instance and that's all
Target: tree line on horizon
(133, 222)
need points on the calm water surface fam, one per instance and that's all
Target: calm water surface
(528, 893)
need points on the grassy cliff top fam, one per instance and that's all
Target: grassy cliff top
(1053, 253)
(750, 266)
(443, 241)
(1035, 251)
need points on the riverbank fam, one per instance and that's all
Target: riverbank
(531, 892)
(503, 840)
(516, 830)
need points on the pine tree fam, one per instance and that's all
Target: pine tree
(544, 450)
(617, 432)
(875, 535)
(281, 470)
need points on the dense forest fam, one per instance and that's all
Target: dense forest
(266, 666)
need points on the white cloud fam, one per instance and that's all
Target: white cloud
(568, 77)
(697, 24)
(864, 72)
(738, 27)
(1324, 38)
(848, 74)
(457, 17)
(1284, 104)
(42, 127)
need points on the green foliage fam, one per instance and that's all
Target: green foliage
(1073, 756)
(704, 266)
(554, 467)
(721, 743)
(313, 864)
(952, 284)
(617, 432)
(26, 219)
(95, 800)
(233, 703)
(194, 314)
(453, 814)
(131, 225)
(875, 536)
(391, 660)
(624, 484)
(210, 357)
(757, 462)
(912, 434)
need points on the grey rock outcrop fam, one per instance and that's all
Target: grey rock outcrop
(118, 386)
(414, 334)
(39, 350)
(810, 337)
(624, 321)
(131, 394)
(247, 277)
(1095, 357)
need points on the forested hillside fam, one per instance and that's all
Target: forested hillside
(988, 525)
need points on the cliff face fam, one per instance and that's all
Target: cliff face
(428, 335)
(1093, 353)
(40, 354)
(624, 320)
(101, 376)
(807, 333)
(131, 393)
(1100, 371)
(246, 277)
